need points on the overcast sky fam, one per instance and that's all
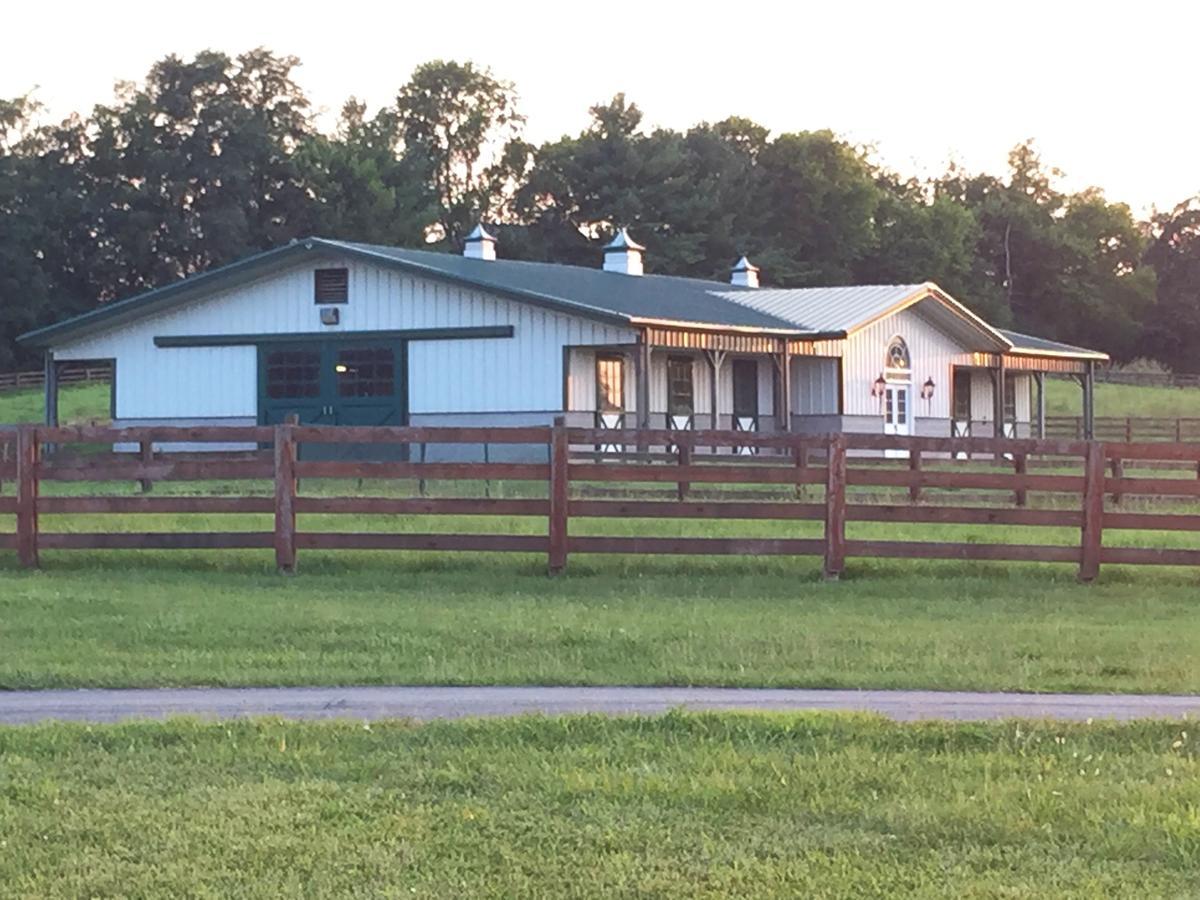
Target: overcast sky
(1106, 89)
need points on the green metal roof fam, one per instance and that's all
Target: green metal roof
(1028, 343)
(593, 293)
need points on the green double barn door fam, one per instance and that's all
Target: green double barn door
(333, 383)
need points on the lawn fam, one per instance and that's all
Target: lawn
(77, 404)
(683, 805)
(1064, 398)
(147, 619)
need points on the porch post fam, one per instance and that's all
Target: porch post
(1089, 402)
(785, 386)
(998, 399)
(716, 359)
(51, 404)
(1040, 380)
(641, 368)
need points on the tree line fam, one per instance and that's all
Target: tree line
(216, 157)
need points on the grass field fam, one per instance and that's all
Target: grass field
(77, 403)
(1064, 398)
(97, 619)
(676, 806)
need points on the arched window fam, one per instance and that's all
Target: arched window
(897, 356)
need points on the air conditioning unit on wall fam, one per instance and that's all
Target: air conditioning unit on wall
(330, 315)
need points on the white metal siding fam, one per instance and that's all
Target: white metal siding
(814, 385)
(520, 373)
(932, 353)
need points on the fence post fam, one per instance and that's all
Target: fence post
(1118, 472)
(683, 452)
(914, 467)
(1020, 467)
(835, 508)
(560, 495)
(1128, 430)
(1093, 512)
(146, 455)
(28, 457)
(800, 449)
(285, 496)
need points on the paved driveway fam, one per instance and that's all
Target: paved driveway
(17, 707)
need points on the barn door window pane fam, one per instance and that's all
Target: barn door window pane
(679, 386)
(610, 383)
(293, 373)
(962, 395)
(365, 372)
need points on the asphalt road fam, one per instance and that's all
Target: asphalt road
(22, 707)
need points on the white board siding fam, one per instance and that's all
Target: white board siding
(933, 353)
(523, 372)
(982, 409)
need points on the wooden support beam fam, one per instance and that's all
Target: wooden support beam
(835, 508)
(285, 496)
(1093, 513)
(1039, 379)
(51, 405)
(28, 461)
(560, 496)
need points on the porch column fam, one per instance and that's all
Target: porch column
(716, 358)
(1039, 379)
(783, 398)
(51, 384)
(998, 400)
(641, 372)
(1089, 402)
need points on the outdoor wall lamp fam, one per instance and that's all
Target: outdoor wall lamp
(879, 386)
(927, 389)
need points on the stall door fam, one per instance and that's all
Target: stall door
(681, 406)
(745, 399)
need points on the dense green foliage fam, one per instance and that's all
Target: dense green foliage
(213, 158)
(120, 619)
(683, 805)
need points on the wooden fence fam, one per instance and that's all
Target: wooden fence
(1148, 379)
(1126, 429)
(836, 480)
(67, 374)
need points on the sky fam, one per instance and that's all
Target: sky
(1106, 89)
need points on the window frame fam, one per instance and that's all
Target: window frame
(678, 363)
(317, 273)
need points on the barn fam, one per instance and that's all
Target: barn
(344, 333)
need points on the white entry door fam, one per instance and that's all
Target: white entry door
(897, 412)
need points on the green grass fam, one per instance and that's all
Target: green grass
(682, 806)
(77, 404)
(147, 619)
(1064, 398)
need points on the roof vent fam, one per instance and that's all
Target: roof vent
(623, 254)
(744, 274)
(479, 244)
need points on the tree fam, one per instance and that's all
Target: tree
(463, 123)
(363, 187)
(817, 197)
(1173, 329)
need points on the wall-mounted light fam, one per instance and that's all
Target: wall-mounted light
(879, 386)
(927, 389)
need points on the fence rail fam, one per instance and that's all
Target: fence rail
(836, 480)
(67, 374)
(1148, 379)
(1127, 429)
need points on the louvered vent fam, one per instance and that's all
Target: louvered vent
(331, 285)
